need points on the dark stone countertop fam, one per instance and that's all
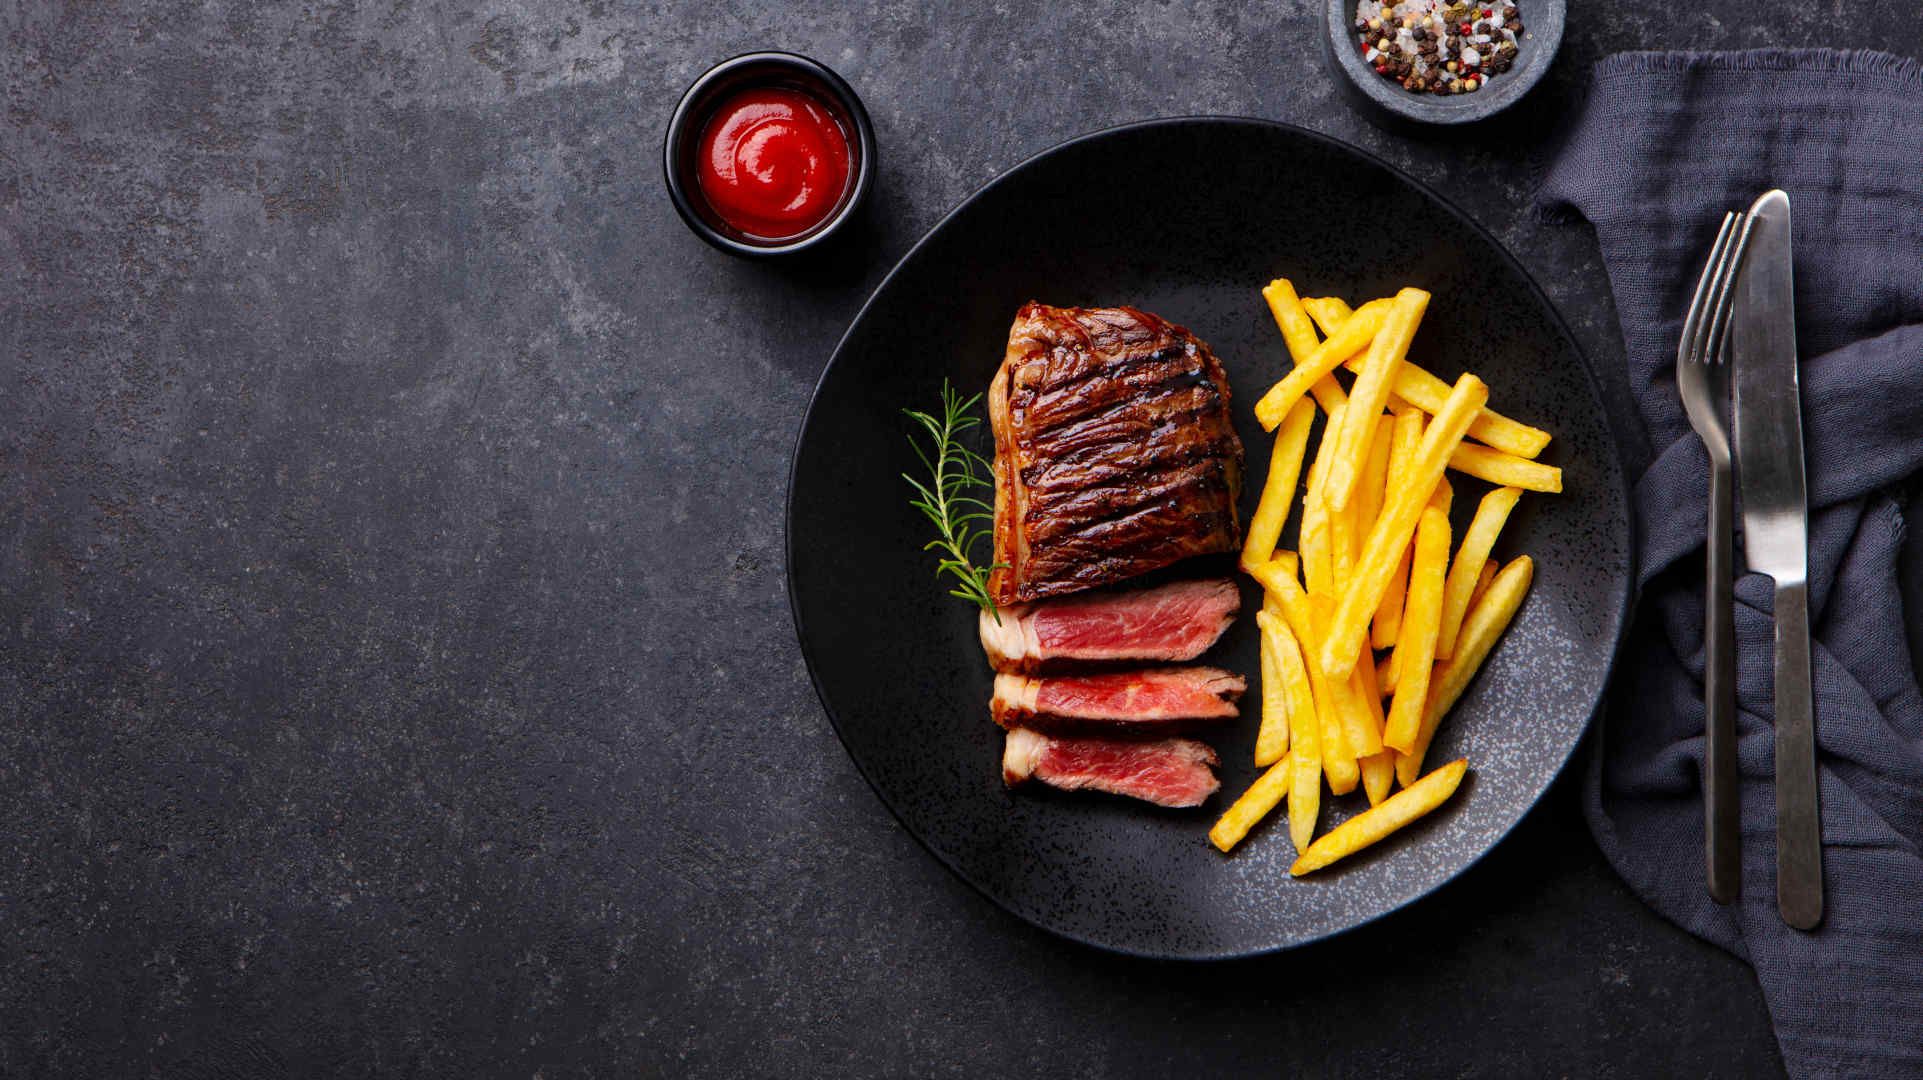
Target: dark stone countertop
(396, 675)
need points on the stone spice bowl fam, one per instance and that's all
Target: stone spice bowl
(1388, 105)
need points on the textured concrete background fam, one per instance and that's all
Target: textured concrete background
(395, 672)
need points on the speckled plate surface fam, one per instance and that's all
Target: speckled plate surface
(1187, 219)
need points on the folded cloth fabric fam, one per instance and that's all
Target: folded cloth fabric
(1664, 144)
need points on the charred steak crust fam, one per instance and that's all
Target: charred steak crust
(1114, 451)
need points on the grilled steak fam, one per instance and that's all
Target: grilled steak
(1173, 622)
(1118, 701)
(1114, 454)
(1168, 772)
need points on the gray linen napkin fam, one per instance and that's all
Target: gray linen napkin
(1664, 144)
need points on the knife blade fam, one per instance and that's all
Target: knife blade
(1768, 421)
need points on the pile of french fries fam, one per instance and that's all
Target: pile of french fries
(1372, 606)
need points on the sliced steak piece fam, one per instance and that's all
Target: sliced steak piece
(1167, 772)
(1114, 451)
(1113, 702)
(1172, 623)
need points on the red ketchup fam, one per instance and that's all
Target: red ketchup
(773, 162)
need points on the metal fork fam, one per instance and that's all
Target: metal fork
(1702, 374)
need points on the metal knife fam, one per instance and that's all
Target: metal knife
(1768, 416)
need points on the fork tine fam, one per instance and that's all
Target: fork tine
(1695, 322)
(1725, 290)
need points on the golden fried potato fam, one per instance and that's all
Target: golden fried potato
(1378, 822)
(1471, 557)
(1379, 768)
(1480, 632)
(1349, 629)
(1300, 338)
(1313, 538)
(1357, 332)
(1254, 805)
(1505, 469)
(1371, 392)
(1418, 387)
(1415, 651)
(1278, 491)
(1388, 613)
(1272, 739)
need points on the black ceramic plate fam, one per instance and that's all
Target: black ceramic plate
(1187, 219)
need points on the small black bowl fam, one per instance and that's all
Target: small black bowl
(1389, 105)
(764, 69)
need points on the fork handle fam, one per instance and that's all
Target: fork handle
(1723, 839)
(1799, 839)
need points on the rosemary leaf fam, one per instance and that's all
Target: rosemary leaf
(954, 469)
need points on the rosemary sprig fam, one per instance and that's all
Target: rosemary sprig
(954, 470)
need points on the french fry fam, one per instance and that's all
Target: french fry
(1361, 726)
(1379, 768)
(1278, 579)
(1305, 757)
(1348, 527)
(1440, 500)
(1329, 394)
(1349, 629)
(1339, 766)
(1299, 336)
(1278, 491)
(1416, 386)
(1287, 562)
(1298, 609)
(1388, 613)
(1480, 632)
(1385, 675)
(1305, 749)
(1377, 822)
(1298, 333)
(1477, 541)
(1313, 538)
(1314, 541)
(1305, 795)
(1507, 470)
(1428, 393)
(1371, 391)
(1415, 649)
(1253, 806)
(1482, 583)
(1272, 739)
(1292, 673)
(1378, 775)
(1375, 474)
(1342, 545)
(1328, 312)
(1358, 331)
(1338, 754)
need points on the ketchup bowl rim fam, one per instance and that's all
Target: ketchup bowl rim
(692, 111)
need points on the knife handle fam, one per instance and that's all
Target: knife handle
(1799, 837)
(1722, 836)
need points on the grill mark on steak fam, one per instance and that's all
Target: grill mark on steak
(1077, 510)
(1117, 550)
(1102, 458)
(1128, 383)
(1176, 416)
(1114, 453)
